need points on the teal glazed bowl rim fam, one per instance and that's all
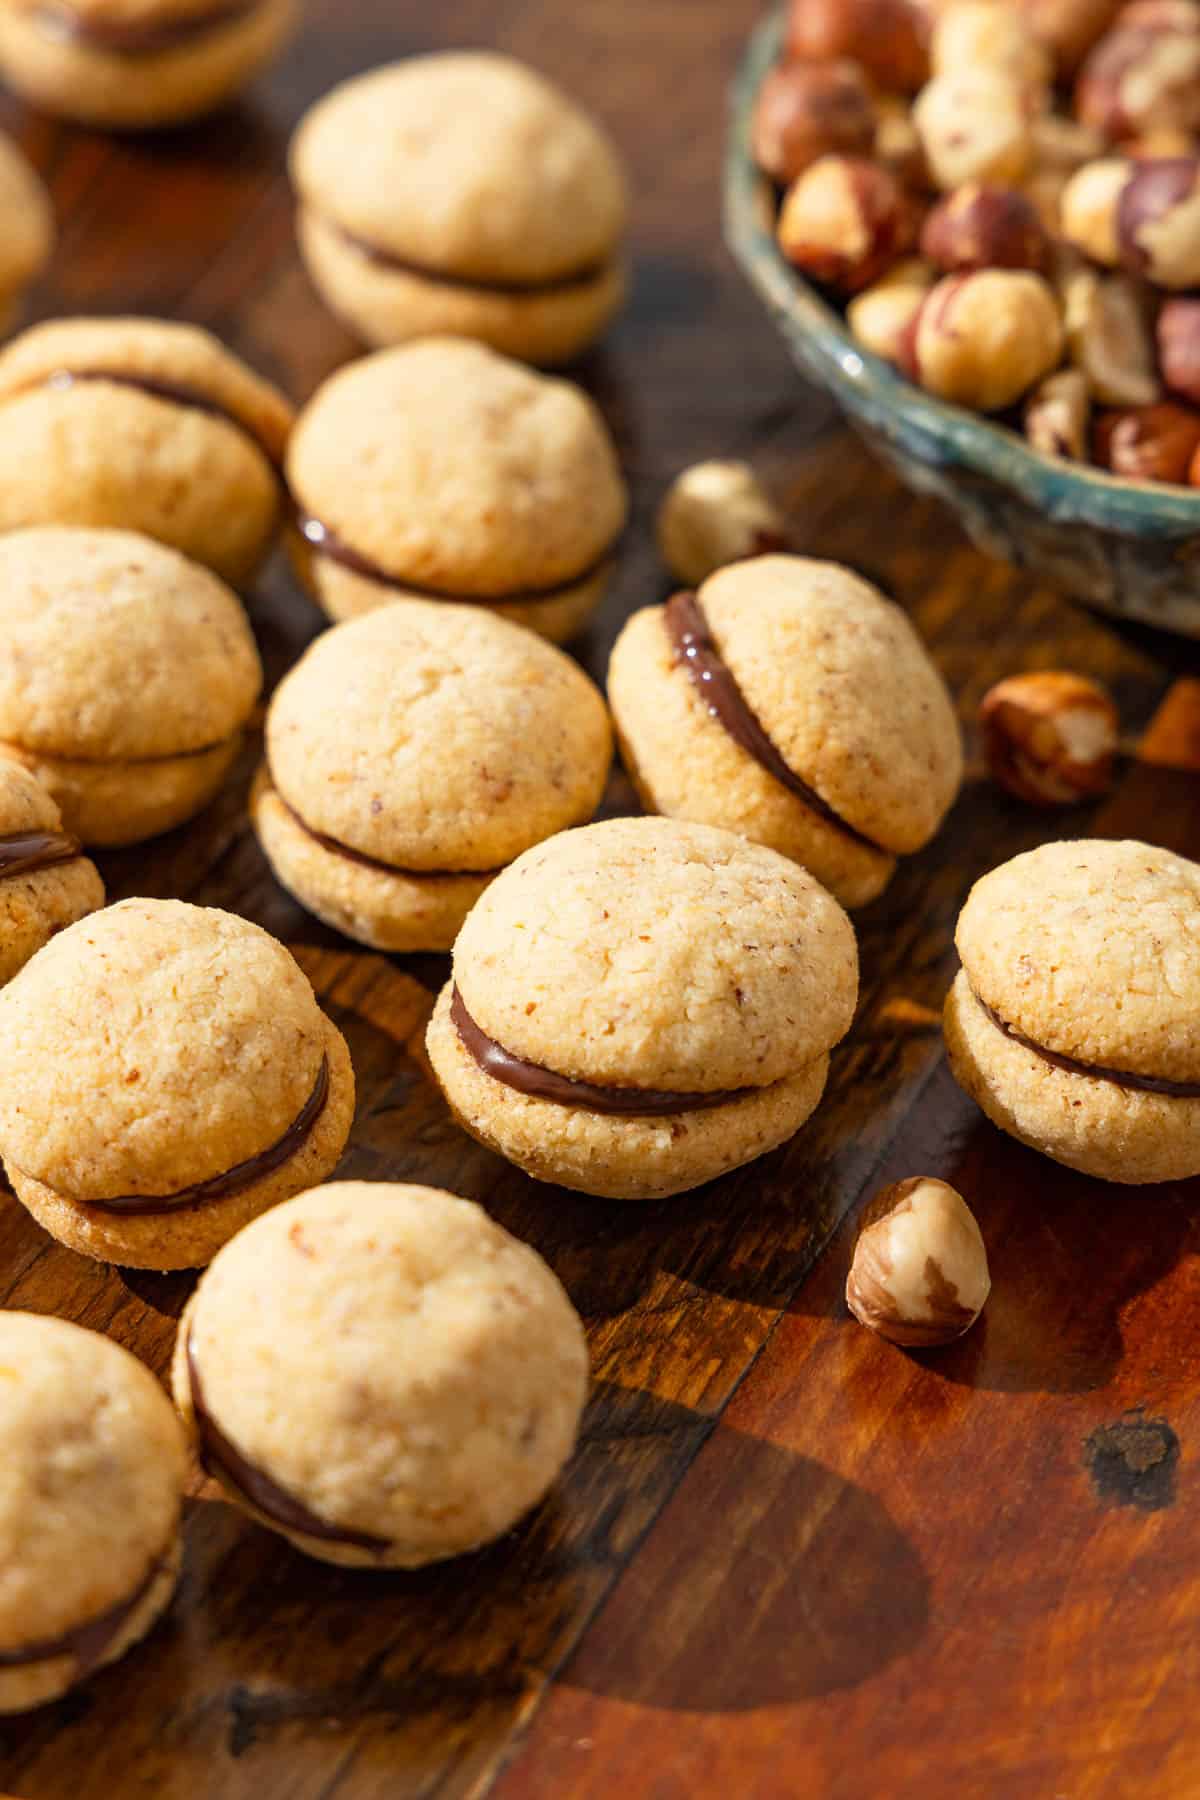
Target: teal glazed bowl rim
(870, 391)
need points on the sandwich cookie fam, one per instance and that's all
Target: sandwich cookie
(26, 229)
(127, 675)
(787, 700)
(461, 194)
(642, 1005)
(129, 65)
(1075, 1020)
(146, 426)
(445, 472)
(414, 752)
(94, 1467)
(168, 1075)
(46, 882)
(381, 1374)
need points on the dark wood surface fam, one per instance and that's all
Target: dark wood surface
(788, 1559)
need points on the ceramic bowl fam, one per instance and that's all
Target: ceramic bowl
(1130, 548)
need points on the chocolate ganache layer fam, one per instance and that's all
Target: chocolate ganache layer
(147, 37)
(546, 1084)
(242, 1175)
(405, 265)
(696, 651)
(1148, 1084)
(176, 394)
(325, 542)
(89, 1642)
(337, 848)
(25, 852)
(220, 1457)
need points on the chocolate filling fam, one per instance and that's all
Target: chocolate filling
(695, 648)
(1148, 1084)
(220, 1457)
(545, 1084)
(219, 1187)
(176, 395)
(325, 542)
(25, 852)
(374, 862)
(146, 38)
(404, 265)
(86, 1643)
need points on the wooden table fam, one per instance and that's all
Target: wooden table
(788, 1559)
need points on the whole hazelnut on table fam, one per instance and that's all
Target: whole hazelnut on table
(714, 514)
(1144, 74)
(1148, 443)
(979, 227)
(1109, 339)
(1056, 415)
(1068, 28)
(920, 1272)
(981, 34)
(1088, 209)
(881, 317)
(1158, 221)
(1178, 333)
(975, 124)
(886, 36)
(845, 221)
(1049, 737)
(807, 110)
(984, 339)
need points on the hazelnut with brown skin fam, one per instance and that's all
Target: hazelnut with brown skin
(886, 36)
(881, 316)
(1158, 221)
(984, 339)
(1148, 443)
(1144, 74)
(980, 34)
(845, 221)
(1179, 346)
(920, 1272)
(807, 110)
(980, 227)
(1108, 337)
(1089, 206)
(975, 124)
(716, 513)
(1050, 737)
(1056, 415)
(1069, 28)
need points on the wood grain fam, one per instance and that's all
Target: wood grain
(787, 1559)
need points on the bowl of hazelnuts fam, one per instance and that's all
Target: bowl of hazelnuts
(977, 225)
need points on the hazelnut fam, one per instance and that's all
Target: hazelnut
(882, 316)
(975, 124)
(1050, 737)
(1108, 337)
(1158, 221)
(1068, 28)
(984, 339)
(897, 143)
(980, 227)
(1148, 443)
(980, 34)
(1179, 346)
(845, 221)
(1043, 189)
(1064, 145)
(886, 36)
(1088, 209)
(806, 110)
(920, 1271)
(1056, 415)
(713, 514)
(1144, 74)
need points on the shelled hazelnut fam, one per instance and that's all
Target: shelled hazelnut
(1158, 221)
(807, 110)
(1148, 443)
(1144, 74)
(980, 34)
(920, 1272)
(886, 36)
(984, 339)
(979, 227)
(1178, 334)
(1069, 28)
(713, 514)
(975, 124)
(1088, 209)
(1109, 339)
(1056, 415)
(845, 221)
(1050, 737)
(881, 316)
